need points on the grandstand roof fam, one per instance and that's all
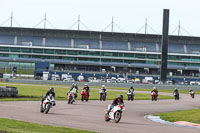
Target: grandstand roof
(95, 35)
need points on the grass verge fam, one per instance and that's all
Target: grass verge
(186, 115)
(27, 92)
(15, 126)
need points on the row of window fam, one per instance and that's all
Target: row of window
(96, 59)
(98, 53)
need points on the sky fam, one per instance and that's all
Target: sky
(128, 15)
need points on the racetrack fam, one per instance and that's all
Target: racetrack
(90, 115)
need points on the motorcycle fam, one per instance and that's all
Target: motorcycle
(130, 95)
(84, 95)
(102, 95)
(154, 96)
(47, 104)
(192, 94)
(71, 97)
(176, 96)
(115, 114)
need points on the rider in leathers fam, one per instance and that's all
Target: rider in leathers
(51, 91)
(86, 87)
(72, 87)
(131, 90)
(118, 100)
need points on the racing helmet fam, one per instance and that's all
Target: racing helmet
(85, 85)
(154, 88)
(51, 89)
(121, 96)
(103, 86)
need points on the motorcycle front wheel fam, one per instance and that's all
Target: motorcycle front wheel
(117, 117)
(48, 106)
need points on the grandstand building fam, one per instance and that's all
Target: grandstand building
(96, 51)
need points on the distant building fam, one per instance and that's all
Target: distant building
(97, 51)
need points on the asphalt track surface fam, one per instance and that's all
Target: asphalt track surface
(90, 115)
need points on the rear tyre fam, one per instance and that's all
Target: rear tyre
(41, 108)
(117, 117)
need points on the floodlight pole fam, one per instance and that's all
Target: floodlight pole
(165, 39)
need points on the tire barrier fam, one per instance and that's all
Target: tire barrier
(6, 91)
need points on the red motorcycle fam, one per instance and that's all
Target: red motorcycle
(84, 95)
(154, 96)
(71, 98)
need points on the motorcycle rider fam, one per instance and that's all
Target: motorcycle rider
(191, 90)
(155, 90)
(86, 87)
(51, 91)
(131, 90)
(74, 86)
(175, 91)
(116, 101)
(103, 89)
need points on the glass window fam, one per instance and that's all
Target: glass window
(106, 54)
(37, 50)
(15, 49)
(26, 50)
(49, 51)
(71, 52)
(14, 55)
(60, 51)
(3, 55)
(140, 56)
(129, 55)
(83, 52)
(4, 49)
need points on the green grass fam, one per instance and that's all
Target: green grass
(187, 115)
(15, 126)
(29, 92)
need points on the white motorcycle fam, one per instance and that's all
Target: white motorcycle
(130, 95)
(115, 113)
(102, 95)
(47, 104)
(192, 94)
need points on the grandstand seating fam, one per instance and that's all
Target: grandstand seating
(36, 41)
(143, 47)
(86, 43)
(193, 49)
(114, 45)
(4, 39)
(175, 48)
(58, 42)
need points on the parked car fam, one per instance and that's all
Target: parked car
(69, 80)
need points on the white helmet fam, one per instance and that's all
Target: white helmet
(103, 86)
